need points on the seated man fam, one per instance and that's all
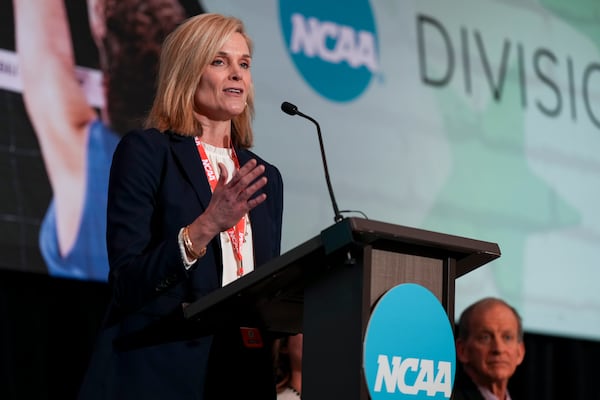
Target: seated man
(489, 347)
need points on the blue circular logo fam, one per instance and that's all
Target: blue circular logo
(333, 45)
(409, 350)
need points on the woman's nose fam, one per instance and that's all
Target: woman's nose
(236, 73)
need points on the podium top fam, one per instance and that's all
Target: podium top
(469, 253)
(278, 285)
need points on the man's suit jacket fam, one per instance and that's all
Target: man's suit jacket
(465, 388)
(157, 186)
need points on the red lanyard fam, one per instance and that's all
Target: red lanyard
(236, 233)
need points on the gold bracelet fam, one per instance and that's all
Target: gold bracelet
(189, 247)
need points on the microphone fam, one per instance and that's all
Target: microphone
(291, 109)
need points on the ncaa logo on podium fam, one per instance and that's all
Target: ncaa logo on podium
(408, 351)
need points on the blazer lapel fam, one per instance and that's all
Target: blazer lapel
(259, 213)
(186, 155)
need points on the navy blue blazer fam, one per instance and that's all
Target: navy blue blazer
(157, 186)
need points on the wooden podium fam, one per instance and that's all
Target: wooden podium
(326, 288)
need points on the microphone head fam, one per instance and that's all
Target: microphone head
(289, 108)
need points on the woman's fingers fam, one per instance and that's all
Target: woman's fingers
(249, 191)
(256, 200)
(230, 201)
(223, 175)
(247, 180)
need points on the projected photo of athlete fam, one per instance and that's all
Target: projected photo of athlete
(76, 138)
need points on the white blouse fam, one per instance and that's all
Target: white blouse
(223, 155)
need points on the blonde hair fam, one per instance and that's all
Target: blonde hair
(185, 54)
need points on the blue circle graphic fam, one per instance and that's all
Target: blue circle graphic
(409, 350)
(334, 47)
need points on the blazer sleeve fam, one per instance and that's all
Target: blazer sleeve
(143, 260)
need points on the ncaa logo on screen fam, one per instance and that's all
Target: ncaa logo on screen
(408, 350)
(332, 44)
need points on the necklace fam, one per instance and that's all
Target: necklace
(297, 393)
